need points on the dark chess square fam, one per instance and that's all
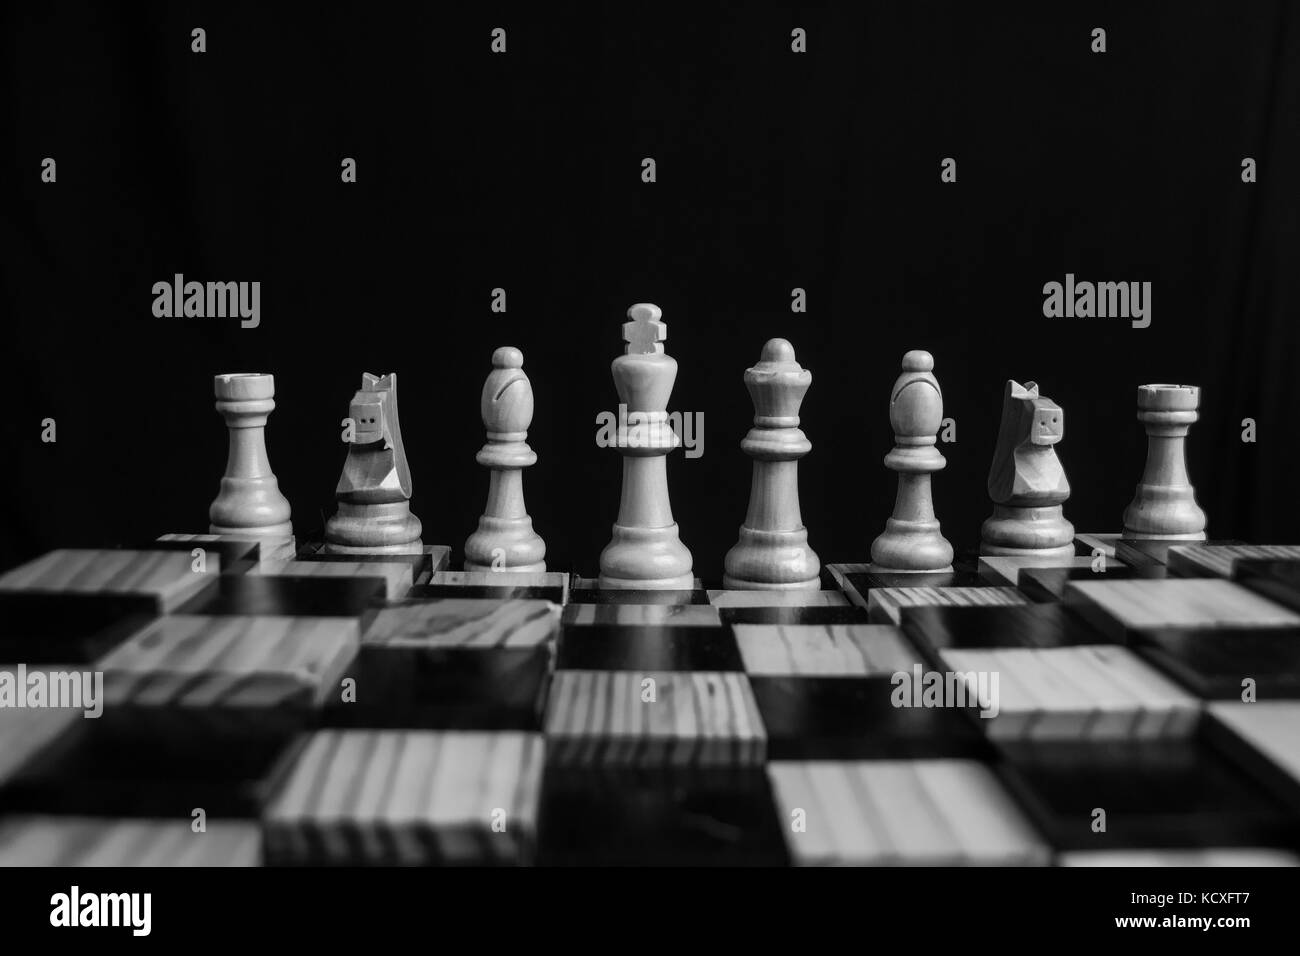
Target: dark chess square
(1167, 794)
(648, 647)
(267, 595)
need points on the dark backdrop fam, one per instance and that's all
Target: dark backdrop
(522, 171)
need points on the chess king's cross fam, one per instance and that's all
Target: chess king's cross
(645, 334)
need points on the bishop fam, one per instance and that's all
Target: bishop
(911, 540)
(505, 539)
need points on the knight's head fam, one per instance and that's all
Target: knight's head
(367, 413)
(1048, 424)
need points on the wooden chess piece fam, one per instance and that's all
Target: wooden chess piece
(911, 540)
(773, 551)
(505, 539)
(249, 502)
(1165, 503)
(374, 492)
(645, 550)
(1026, 481)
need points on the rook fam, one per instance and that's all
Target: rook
(1165, 503)
(250, 502)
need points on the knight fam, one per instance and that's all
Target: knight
(1027, 482)
(374, 492)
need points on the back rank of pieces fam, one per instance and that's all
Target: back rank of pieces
(357, 700)
(1027, 481)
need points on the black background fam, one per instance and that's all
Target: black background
(1020, 904)
(522, 170)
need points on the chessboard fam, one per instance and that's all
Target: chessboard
(265, 703)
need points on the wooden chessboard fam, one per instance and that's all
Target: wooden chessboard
(307, 709)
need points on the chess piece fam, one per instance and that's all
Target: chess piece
(250, 502)
(1026, 481)
(911, 540)
(374, 492)
(505, 539)
(773, 551)
(1165, 503)
(645, 551)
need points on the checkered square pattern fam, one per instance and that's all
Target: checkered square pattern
(316, 710)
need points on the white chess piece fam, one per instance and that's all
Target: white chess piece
(911, 540)
(250, 502)
(1164, 505)
(374, 491)
(645, 550)
(505, 539)
(773, 551)
(1027, 482)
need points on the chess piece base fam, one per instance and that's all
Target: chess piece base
(911, 546)
(380, 528)
(505, 544)
(646, 559)
(282, 530)
(739, 584)
(414, 547)
(250, 499)
(873, 568)
(1014, 531)
(684, 583)
(1128, 535)
(539, 567)
(1164, 513)
(1063, 553)
(772, 561)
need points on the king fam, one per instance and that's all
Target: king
(645, 550)
(374, 491)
